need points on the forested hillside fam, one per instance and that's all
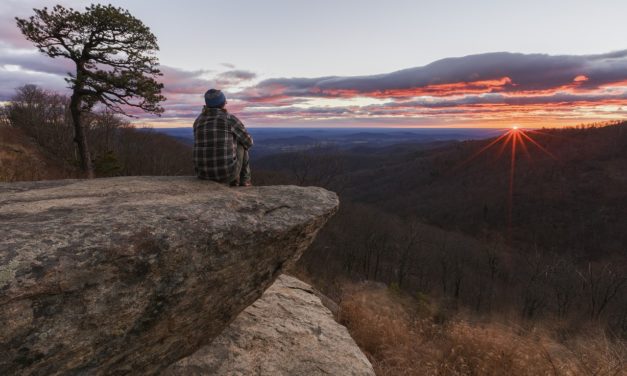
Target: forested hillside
(39, 122)
(437, 221)
(487, 270)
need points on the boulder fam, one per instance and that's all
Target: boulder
(287, 332)
(129, 275)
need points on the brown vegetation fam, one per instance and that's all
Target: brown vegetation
(23, 159)
(405, 336)
(43, 122)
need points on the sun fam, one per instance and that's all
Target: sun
(518, 140)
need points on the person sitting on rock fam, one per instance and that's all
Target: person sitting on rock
(221, 143)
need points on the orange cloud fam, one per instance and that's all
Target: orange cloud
(436, 90)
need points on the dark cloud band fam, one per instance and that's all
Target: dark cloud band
(484, 73)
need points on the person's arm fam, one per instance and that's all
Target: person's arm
(241, 134)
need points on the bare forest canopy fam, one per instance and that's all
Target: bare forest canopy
(436, 222)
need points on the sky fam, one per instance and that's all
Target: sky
(367, 63)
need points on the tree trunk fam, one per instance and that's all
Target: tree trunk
(80, 137)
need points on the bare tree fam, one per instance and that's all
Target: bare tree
(533, 276)
(44, 116)
(601, 285)
(563, 283)
(409, 249)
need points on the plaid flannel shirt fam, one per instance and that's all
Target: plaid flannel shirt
(216, 135)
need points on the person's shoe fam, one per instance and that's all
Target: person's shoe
(246, 184)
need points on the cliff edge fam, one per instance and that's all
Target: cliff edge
(287, 332)
(129, 275)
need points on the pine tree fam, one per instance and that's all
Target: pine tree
(115, 60)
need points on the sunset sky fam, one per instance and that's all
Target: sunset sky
(369, 63)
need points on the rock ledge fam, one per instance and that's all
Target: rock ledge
(129, 275)
(286, 332)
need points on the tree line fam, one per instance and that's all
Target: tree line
(484, 275)
(117, 147)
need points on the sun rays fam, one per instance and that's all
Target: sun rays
(517, 141)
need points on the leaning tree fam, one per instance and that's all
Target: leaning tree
(114, 55)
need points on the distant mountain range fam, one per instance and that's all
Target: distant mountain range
(277, 140)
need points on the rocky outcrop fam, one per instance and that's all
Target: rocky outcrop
(129, 275)
(286, 332)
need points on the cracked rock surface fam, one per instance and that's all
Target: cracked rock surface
(286, 332)
(129, 275)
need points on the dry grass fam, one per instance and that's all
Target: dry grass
(400, 337)
(21, 159)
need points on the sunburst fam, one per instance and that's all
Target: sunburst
(518, 141)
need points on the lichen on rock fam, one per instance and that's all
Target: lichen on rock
(129, 275)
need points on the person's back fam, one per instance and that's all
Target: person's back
(217, 137)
